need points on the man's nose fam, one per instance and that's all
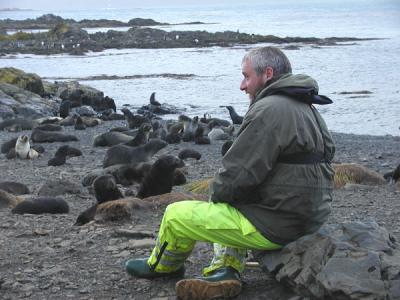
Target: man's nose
(243, 85)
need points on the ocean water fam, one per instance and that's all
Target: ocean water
(216, 72)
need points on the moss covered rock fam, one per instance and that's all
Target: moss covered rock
(26, 81)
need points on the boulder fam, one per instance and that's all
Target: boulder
(24, 103)
(67, 31)
(79, 94)
(342, 261)
(26, 81)
(60, 187)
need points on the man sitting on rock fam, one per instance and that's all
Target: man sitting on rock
(275, 185)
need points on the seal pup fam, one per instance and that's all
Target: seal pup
(216, 122)
(111, 138)
(173, 138)
(355, 173)
(106, 189)
(199, 138)
(394, 175)
(65, 107)
(79, 125)
(121, 209)
(134, 121)
(189, 153)
(42, 205)
(23, 148)
(160, 179)
(8, 199)
(24, 124)
(49, 127)
(7, 146)
(236, 119)
(142, 137)
(123, 154)
(153, 100)
(41, 136)
(90, 121)
(86, 216)
(15, 188)
(189, 127)
(68, 151)
(61, 155)
(179, 177)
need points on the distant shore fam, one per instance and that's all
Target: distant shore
(67, 36)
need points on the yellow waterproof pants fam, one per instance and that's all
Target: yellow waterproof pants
(186, 222)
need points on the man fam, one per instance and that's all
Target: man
(275, 185)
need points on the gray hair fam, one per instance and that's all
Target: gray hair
(264, 57)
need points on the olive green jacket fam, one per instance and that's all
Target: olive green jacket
(284, 201)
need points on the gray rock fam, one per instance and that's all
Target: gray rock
(61, 187)
(84, 111)
(346, 261)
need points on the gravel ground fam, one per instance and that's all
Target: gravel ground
(46, 257)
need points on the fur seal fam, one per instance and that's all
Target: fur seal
(189, 153)
(354, 173)
(199, 138)
(42, 205)
(14, 188)
(236, 119)
(160, 179)
(142, 137)
(153, 100)
(111, 138)
(121, 209)
(134, 121)
(90, 121)
(57, 161)
(65, 107)
(173, 138)
(49, 127)
(189, 127)
(61, 155)
(105, 189)
(41, 136)
(79, 125)
(68, 151)
(86, 216)
(8, 199)
(123, 154)
(24, 124)
(394, 175)
(215, 121)
(23, 148)
(7, 146)
(179, 177)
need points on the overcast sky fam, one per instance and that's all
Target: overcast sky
(85, 4)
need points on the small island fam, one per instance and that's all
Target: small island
(68, 36)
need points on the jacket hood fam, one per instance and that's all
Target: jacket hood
(299, 87)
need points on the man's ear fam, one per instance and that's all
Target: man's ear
(268, 74)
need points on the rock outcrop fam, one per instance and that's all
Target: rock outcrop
(26, 95)
(342, 261)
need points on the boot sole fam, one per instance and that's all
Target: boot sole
(197, 289)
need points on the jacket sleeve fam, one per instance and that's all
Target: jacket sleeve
(250, 158)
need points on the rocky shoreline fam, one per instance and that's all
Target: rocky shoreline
(46, 256)
(67, 36)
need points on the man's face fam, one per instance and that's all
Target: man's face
(252, 82)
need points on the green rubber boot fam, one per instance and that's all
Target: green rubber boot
(141, 269)
(223, 283)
